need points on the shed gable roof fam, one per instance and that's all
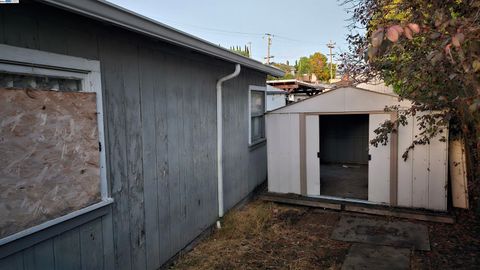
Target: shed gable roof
(346, 99)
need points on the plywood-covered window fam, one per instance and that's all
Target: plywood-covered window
(52, 162)
(257, 114)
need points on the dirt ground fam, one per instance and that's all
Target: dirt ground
(272, 236)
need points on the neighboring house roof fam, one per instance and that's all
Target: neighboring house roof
(294, 82)
(273, 90)
(108, 12)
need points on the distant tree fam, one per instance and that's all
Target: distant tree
(319, 66)
(304, 66)
(286, 68)
(237, 49)
(315, 64)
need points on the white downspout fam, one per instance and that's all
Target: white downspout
(220, 139)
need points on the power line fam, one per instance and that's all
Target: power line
(216, 29)
(228, 32)
(269, 37)
(245, 33)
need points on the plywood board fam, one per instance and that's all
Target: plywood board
(364, 256)
(50, 158)
(458, 174)
(380, 232)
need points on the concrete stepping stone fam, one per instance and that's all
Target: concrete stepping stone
(378, 232)
(364, 256)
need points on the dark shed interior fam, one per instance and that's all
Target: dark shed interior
(344, 156)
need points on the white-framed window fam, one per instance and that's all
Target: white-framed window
(256, 114)
(37, 88)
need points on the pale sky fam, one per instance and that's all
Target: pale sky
(300, 27)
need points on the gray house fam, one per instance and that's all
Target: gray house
(121, 139)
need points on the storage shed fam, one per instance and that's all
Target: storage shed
(320, 147)
(121, 139)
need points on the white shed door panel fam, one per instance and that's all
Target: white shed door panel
(422, 178)
(437, 174)
(420, 173)
(379, 164)
(283, 153)
(405, 167)
(312, 143)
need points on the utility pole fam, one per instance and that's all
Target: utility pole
(269, 44)
(331, 46)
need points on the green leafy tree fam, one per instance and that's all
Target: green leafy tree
(429, 51)
(304, 66)
(286, 68)
(320, 67)
(315, 64)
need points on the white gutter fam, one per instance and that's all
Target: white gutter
(220, 139)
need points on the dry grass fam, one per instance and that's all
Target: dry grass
(271, 236)
(268, 236)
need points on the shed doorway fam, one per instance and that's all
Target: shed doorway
(344, 141)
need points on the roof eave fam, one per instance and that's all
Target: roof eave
(108, 12)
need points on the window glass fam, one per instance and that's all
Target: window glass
(257, 103)
(20, 81)
(257, 120)
(257, 128)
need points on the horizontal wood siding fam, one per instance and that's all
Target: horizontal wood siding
(160, 127)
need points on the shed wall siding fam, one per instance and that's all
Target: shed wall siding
(159, 102)
(421, 179)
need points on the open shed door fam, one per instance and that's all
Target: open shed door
(312, 148)
(379, 163)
